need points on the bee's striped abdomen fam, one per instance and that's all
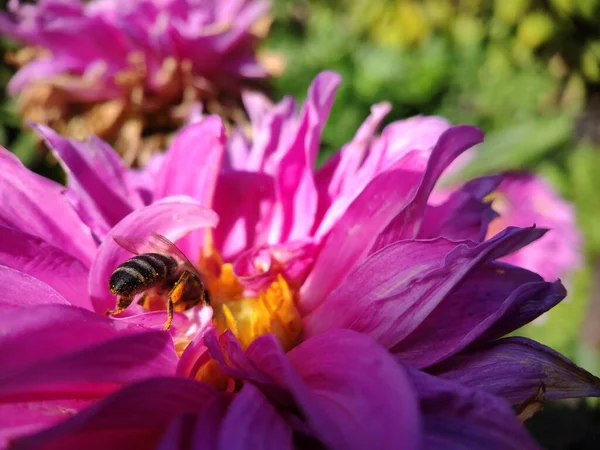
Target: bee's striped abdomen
(140, 273)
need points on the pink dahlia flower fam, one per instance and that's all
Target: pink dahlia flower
(120, 68)
(346, 311)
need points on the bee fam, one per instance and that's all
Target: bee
(162, 274)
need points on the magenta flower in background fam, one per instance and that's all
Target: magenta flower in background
(522, 199)
(117, 68)
(346, 310)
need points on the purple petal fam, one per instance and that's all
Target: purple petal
(21, 289)
(502, 293)
(172, 217)
(464, 215)
(340, 380)
(252, 422)
(456, 417)
(133, 417)
(96, 178)
(208, 424)
(383, 199)
(35, 205)
(401, 285)
(32, 256)
(515, 368)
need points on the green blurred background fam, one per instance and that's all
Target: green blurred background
(526, 71)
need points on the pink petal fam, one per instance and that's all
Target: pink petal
(32, 256)
(252, 422)
(172, 217)
(450, 145)
(385, 199)
(243, 201)
(21, 289)
(295, 186)
(193, 161)
(394, 290)
(55, 326)
(191, 167)
(95, 370)
(336, 179)
(31, 203)
(133, 417)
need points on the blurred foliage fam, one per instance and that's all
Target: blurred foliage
(522, 70)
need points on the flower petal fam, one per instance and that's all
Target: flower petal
(252, 422)
(502, 292)
(172, 217)
(456, 417)
(243, 201)
(295, 184)
(35, 205)
(208, 424)
(133, 417)
(337, 391)
(384, 198)
(21, 289)
(96, 178)
(32, 256)
(515, 368)
(193, 161)
(67, 332)
(401, 285)
(464, 215)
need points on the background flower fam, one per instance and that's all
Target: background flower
(123, 69)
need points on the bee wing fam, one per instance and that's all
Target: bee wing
(164, 245)
(133, 244)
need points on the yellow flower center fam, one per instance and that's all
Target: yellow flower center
(249, 316)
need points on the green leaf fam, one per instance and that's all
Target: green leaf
(517, 147)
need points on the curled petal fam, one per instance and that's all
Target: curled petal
(35, 205)
(33, 256)
(515, 368)
(401, 285)
(258, 267)
(456, 418)
(173, 217)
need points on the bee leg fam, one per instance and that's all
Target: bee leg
(174, 296)
(122, 304)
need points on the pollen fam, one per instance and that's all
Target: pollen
(250, 315)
